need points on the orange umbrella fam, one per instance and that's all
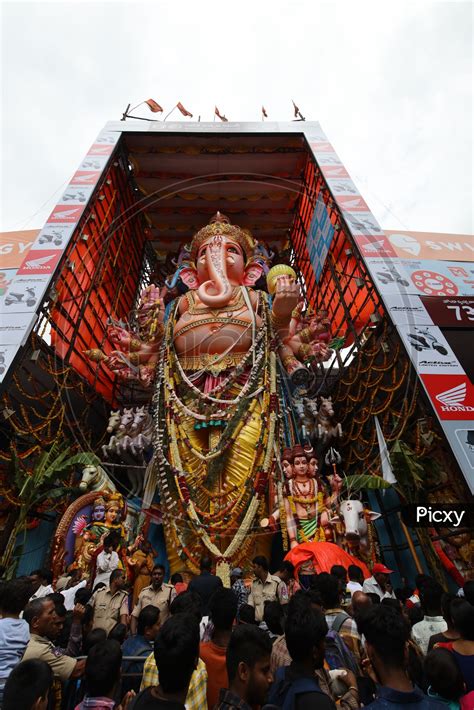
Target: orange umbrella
(323, 555)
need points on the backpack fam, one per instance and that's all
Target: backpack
(339, 620)
(337, 654)
(283, 692)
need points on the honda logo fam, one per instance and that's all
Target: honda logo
(452, 400)
(38, 263)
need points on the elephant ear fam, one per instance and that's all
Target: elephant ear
(189, 277)
(252, 274)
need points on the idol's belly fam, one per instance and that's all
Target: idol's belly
(212, 338)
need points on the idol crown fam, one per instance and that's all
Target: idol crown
(220, 224)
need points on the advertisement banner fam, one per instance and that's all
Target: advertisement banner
(21, 292)
(461, 437)
(451, 395)
(334, 171)
(321, 147)
(454, 312)
(14, 246)
(363, 223)
(424, 278)
(54, 237)
(340, 185)
(319, 237)
(85, 177)
(429, 350)
(99, 149)
(66, 213)
(325, 158)
(406, 310)
(427, 245)
(376, 247)
(6, 277)
(40, 261)
(434, 278)
(7, 355)
(351, 203)
(24, 293)
(95, 163)
(15, 328)
(77, 194)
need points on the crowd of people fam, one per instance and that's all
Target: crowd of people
(264, 643)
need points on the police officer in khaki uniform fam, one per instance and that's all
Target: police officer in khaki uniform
(110, 604)
(158, 594)
(266, 587)
(44, 627)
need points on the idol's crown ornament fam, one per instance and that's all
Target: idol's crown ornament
(220, 225)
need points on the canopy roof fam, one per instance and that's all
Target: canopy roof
(183, 180)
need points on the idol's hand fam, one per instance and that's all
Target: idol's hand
(286, 298)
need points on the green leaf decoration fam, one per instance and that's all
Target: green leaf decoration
(360, 481)
(407, 468)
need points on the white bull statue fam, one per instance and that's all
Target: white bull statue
(356, 516)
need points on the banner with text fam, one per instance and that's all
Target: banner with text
(29, 260)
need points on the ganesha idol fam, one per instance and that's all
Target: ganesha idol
(216, 399)
(216, 402)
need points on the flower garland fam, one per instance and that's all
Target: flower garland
(168, 410)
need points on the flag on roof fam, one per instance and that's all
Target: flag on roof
(296, 109)
(184, 111)
(153, 106)
(264, 113)
(216, 111)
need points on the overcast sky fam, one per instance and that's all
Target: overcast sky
(389, 82)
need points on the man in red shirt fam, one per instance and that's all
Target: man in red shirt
(223, 610)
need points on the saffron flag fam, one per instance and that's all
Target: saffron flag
(264, 113)
(216, 111)
(296, 109)
(153, 106)
(180, 106)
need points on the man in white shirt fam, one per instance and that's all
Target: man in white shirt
(356, 578)
(433, 622)
(379, 583)
(69, 594)
(107, 561)
(41, 582)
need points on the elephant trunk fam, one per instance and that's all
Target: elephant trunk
(217, 291)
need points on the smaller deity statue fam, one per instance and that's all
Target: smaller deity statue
(286, 463)
(96, 527)
(114, 509)
(105, 517)
(302, 494)
(312, 463)
(136, 352)
(309, 335)
(304, 498)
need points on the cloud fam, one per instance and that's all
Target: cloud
(390, 84)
